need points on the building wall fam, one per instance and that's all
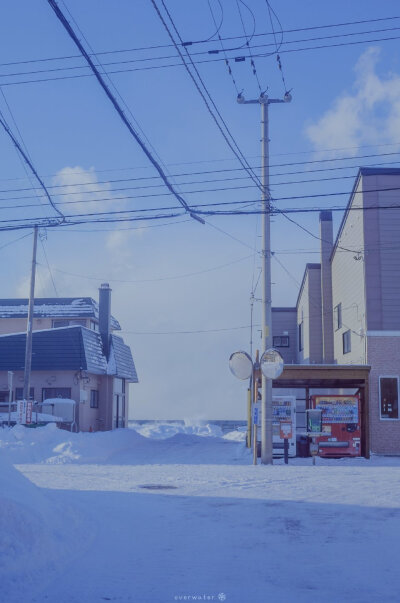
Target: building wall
(384, 358)
(348, 285)
(326, 235)
(18, 325)
(309, 313)
(88, 419)
(382, 251)
(284, 323)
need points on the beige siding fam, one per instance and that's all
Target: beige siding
(348, 286)
(309, 313)
(18, 325)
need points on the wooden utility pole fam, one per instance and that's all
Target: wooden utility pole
(28, 348)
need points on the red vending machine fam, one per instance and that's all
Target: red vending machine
(341, 425)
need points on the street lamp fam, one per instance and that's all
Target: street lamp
(271, 365)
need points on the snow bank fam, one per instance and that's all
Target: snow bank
(31, 529)
(146, 444)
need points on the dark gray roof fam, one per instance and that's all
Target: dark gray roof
(124, 365)
(54, 307)
(64, 349)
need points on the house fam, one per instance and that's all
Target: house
(348, 307)
(75, 354)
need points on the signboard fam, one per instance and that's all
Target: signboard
(286, 430)
(24, 412)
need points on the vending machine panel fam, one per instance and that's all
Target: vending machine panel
(283, 417)
(341, 425)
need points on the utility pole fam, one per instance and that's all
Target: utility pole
(266, 391)
(28, 348)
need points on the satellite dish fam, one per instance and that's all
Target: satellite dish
(241, 365)
(271, 364)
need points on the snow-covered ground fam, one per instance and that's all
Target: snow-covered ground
(180, 511)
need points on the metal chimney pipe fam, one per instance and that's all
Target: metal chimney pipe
(105, 317)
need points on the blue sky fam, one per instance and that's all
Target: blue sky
(344, 98)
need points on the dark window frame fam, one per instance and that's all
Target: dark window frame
(94, 398)
(301, 336)
(346, 340)
(278, 341)
(381, 404)
(338, 317)
(56, 395)
(19, 393)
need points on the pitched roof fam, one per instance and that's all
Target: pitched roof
(54, 307)
(65, 349)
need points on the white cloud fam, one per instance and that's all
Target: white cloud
(81, 192)
(369, 115)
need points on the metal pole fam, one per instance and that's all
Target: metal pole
(10, 390)
(28, 348)
(266, 391)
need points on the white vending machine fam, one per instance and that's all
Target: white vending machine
(283, 425)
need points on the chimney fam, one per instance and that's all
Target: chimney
(105, 316)
(326, 234)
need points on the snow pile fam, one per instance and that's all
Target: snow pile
(160, 430)
(154, 443)
(31, 531)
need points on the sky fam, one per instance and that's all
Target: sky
(181, 290)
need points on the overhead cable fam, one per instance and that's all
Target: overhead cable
(117, 107)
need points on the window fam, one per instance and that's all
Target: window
(56, 392)
(346, 342)
(389, 397)
(94, 326)
(94, 398)
(281, 341)
(338, 317)
(58, 322)
(301, 336)
(19, 393)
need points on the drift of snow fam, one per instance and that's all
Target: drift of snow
(179, 511)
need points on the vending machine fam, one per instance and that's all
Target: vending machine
(283, 415)
(283, 424)
(341, 425)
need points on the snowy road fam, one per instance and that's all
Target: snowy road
(292, 533)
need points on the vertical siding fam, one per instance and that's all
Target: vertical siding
(388, 251)
(284, 323)
(348, 285)
(309, 310)
(326, 234)
(315, 315)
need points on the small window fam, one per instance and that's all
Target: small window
(389, 397)
(78, 321)
(94, 398)
(346, 342)
(19, 393)
(57, 324)
(338, 317)
(301, 336)
(281, 341)
(94, 326)
(56, 392)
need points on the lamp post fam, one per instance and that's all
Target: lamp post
(242, 367)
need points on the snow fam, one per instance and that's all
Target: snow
(162, 511)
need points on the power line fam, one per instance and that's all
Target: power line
(225, 133)
(198, 62)
(29, 163)
(117, 107)
(153, 280)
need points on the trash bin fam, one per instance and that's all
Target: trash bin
(303, 447)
